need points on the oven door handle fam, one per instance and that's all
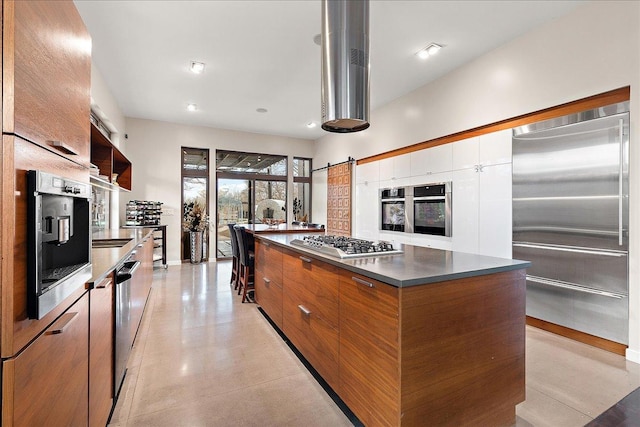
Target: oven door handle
(427, 198)
(392, 200)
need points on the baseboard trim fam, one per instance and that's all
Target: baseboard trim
(633, 355)
(582, 337)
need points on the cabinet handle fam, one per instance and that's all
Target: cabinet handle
(304, 310)
(305, 259)
(62, 324)
(266, 244)
(266, 281)
(104, 284)
(363, 282)
(620, 182)
(61, 146)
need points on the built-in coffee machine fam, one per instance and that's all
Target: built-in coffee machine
(59, 240)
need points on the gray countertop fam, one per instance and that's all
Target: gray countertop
(104, 260)
(416, 266)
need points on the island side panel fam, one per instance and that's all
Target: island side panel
(463, 350)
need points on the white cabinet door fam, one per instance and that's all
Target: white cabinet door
(464, 207)
(402, 166)
(368, 172)
(494, 235)
(440, 158)
(386, 169)
(431, 160)
(395, 167)
(495, 148)
(419, 160)
(366, 211)
(465, 153)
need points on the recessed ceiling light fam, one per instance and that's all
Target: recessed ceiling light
(261, 110)
(192, 107)
(311, 125)
(197, 67)
(429, 50)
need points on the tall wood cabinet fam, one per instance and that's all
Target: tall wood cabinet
(46, 83)
(47, 76)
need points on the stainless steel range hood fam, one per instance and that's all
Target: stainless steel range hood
(345, 65)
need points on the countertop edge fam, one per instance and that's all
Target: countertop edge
(510, 265)
(123, 253)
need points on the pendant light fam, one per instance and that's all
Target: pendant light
(345, 65)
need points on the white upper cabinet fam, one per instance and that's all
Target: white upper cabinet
(395, 167)
(368, 172)
(495, 148)
(431, 160)
(465, 153)
(419, 160)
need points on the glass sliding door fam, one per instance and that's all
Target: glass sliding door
(251, 188)
(233, 208)
(195, 190)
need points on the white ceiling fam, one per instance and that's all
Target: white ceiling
(261, 54)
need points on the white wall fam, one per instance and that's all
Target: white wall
(153, 148)
(103, 103)
(594, 49)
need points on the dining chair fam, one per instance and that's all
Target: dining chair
(235, 266)
(245, 277)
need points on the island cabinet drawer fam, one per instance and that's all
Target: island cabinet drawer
(313, 337)
(269, 260)
(269, 295)
(315, 285)
(369, 350)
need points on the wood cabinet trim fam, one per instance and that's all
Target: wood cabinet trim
(7, 229)
(600, 100)
(8, 61)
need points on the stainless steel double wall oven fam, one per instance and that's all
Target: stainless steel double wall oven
(422, 209)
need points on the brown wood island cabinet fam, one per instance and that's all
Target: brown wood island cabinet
(310, 312)
(448, 351)
(268, 280)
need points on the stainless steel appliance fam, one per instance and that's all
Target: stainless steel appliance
(58, 240)
(395, 214)
(570, 219)
(345, 247)
(123, 337)
(432, 209)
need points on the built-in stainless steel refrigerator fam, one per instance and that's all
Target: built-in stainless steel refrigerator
(570, 219)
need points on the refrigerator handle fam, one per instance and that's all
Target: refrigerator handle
(620, 177)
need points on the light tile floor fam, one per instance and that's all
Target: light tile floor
(202, 358)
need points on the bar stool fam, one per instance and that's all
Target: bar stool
(236, 256)
(245, 276)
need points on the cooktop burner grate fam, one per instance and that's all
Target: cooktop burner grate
(345, 247)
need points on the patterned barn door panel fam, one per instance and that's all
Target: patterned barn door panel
(339, 199)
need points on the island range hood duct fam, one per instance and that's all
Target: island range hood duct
(345, 65)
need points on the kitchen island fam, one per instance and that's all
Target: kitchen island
(425, 337)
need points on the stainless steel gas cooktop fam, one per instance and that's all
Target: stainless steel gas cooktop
(345, 247)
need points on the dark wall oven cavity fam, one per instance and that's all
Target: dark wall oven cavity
(59, 240)
(432, 209)
(394, 215)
